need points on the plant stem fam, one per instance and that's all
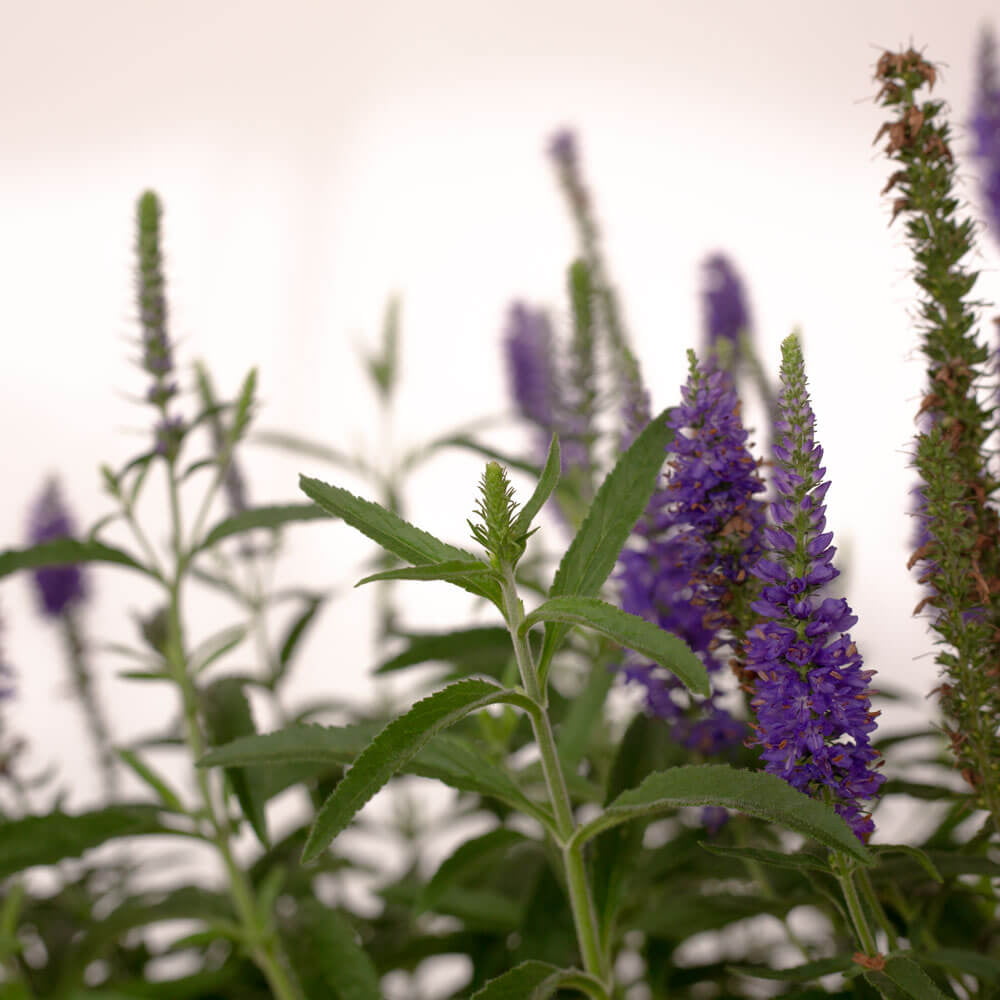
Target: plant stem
(581, 898)
(845, 876)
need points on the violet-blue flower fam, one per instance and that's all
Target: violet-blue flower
(811, 698)
(986, 128)
(58, 587)
(529, 349)
(725, 307)
(688, 563)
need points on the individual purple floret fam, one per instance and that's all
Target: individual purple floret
(986, 128)
(811, 697)
(58, 587)
(693, 548)
(725, 306)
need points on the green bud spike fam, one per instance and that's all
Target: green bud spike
(497, 511)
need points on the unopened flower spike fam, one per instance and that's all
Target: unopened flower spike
(58, 587)
(811, 695)
(687, 568)
(497, 511)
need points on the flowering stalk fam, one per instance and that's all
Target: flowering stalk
(811, 697)
(961, 557)
(60, 591)
(985, 126)
(260, 940)
(687, 568)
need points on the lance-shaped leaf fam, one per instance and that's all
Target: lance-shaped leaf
(261, 517)
(616, 508)
(547, 482)
(752, 792)
(483, 650)
(387, 529)
(630, 631)
(800, 973)
(61, 551)
(795, 862)
(910, 978)
(454, 571)
(394, 746)
(49, 839)
(537, 981)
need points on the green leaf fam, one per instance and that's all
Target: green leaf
(616, 508)
(261, 517)
(244, 402)
(911, 979)
(795, 862)
(752, 792)
(228, 717)
(506, 460)
(454, 571)
(394, 746)
(49, 839)
(800, 973)
(961, 960)
(921, 857)
(326, 948)
(484, 650)
(537, 981)
(142, 770)
(585, 715)
(64, 551)
(630, 631)
(216, 646)
(393, 533)
(547, 482)
(468, 859)
(296, 632)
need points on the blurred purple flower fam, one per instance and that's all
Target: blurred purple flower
(725, 307)
(811, 695)
(563, 149)
(531, 365)
(693, 548)
(58, 587)
(985, 126)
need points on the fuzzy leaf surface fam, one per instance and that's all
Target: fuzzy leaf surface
(627, 630)
(533, 981)
(395, 746)
(752, 792)
(547, 482)
(616, 508)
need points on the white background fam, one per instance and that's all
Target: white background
(316, 157)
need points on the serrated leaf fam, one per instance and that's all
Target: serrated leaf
(795, 862)
(475, 650)
(261, 517)
(296, 632)
(467, 858)
(167, 796)
(228, 717)
(973, 963)
(453, 571)
(804, 973)
(394, 746)
(64, 551)
(616, 508)
(393, 533)
(752, 792)
(49, 839)
(627, 630)
(536, 981)
(547, 482)
(911, 979)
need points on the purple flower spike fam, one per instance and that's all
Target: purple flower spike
(58, 587)
(562, 148)
(811, 696)
(725, 307)
(986, 128)
(695, 544)
(530, 365)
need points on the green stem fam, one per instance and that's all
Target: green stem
(581, 898)
(868, 891)
(845, 876)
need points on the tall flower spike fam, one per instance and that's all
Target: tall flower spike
(686, 570)
(531, 365)
(58, 587)
(725, 306)
(960, 558)
(986, 129)
(814, 715)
